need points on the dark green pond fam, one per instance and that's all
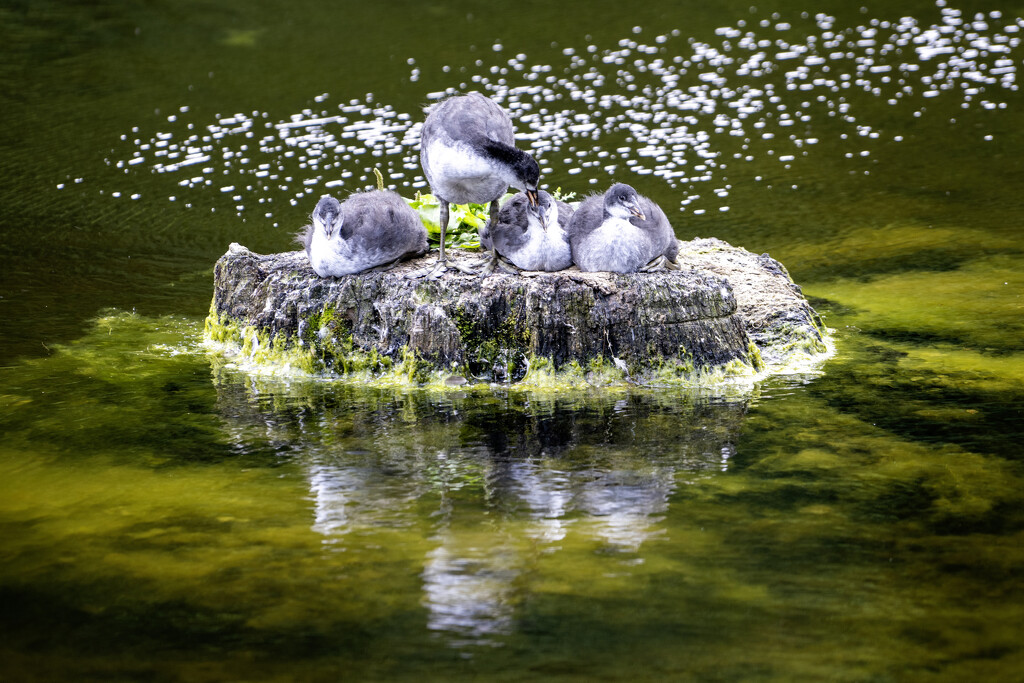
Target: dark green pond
(167, 516)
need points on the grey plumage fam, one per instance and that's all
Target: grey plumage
(531, 236)
(368, 229)
(468, 154)
(620, 231)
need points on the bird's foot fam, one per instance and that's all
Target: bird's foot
(488, 267)
(498, 265)
(462, 268)
(511, 268)
(660, 263)
(440, 268)
(430, 272)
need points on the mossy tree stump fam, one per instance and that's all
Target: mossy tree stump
(665, 324)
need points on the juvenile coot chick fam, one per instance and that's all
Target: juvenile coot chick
(531, 236)
(369, 229)
(621, 232)
(468, 153)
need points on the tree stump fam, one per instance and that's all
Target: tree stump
(727, 311)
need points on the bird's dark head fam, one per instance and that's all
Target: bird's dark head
(516, 167)
(527, 172)
(327, 216)
(623, 202)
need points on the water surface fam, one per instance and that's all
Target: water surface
(169, 516)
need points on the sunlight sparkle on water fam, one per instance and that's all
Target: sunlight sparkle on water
(680, 109)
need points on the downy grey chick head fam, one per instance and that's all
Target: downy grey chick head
(622, 201)
(520, 210)
(327, 216)
(546, 210)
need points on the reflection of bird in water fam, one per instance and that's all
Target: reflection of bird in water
(369, 229)
(622, 232)
(468, 153)
(530, 235)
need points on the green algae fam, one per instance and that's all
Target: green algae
(328, 341)
(327, 350)
(257, 347)
(867, 251)
(978, 304)
(502, 353)
(757, 361)
(814, 504)
(788, 346)
(322, 354)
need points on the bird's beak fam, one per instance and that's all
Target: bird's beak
(537, 211)
(635, 210)
(531, 196)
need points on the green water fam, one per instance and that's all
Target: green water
(168, 516)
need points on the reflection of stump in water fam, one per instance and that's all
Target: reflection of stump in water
(666, 324)
(589, 470)
(377, 458)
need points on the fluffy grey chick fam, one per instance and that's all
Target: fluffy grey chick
(368, 229)
(531, 236)
(621, 232)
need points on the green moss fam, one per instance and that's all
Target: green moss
(413, 368)
(788, 341)
(327, 347)
(756, 360)
(328, 338)
(220, 329)
(502, 353)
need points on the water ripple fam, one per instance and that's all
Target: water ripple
(680, 109)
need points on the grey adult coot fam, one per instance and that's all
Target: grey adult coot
(468, 153)
(622, 232)
(531, 236)
(368, 229)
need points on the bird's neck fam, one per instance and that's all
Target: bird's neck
(508, 159)
(614, 212)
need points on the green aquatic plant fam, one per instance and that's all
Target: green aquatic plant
(567, 197)
(463, 220)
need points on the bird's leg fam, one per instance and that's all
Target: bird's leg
(442, 260)
(492, 215)
(443, 219)
(441, 266)
(491, 264)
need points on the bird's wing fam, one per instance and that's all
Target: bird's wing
(565, 212)
(587, 217)
(471, 119)
(305, 237)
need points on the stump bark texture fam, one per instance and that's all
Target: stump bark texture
(702, 317)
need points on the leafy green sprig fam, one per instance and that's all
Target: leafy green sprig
(463, 220)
